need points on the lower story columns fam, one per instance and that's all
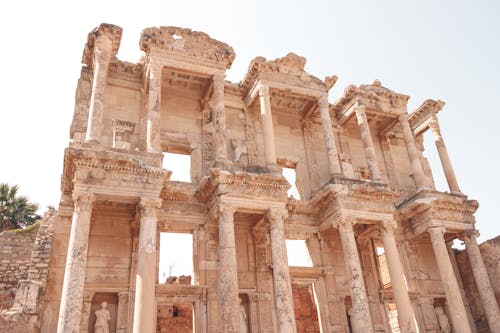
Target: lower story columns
(452, 291)
(145, 304)
(361, 308)
(76, 261)
(281, 274)
(229, 306)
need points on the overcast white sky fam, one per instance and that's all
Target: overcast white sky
(428, 49)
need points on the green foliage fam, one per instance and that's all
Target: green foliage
(15, 211)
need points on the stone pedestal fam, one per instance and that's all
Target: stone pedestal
(406, 315)
(145, 304)
(219, 118)
(458, 315)
(366, 139)
(281, 274)
(486, 294)
(229, 306)
(102, 56)
(153, 139)
(416, 163)
(76, 260)
(443, 155)
(361, 309)
(267, 125)
(331, 146)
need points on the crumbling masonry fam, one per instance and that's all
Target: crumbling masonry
(376, 229)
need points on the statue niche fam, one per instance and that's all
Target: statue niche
(100, 315)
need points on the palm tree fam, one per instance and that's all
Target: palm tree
(15, 211)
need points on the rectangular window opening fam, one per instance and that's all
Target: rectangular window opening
(176, 258)
(297, 253)
(179, 164)
(291, 176)
(383, 268)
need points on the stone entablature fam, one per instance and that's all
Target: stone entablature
(364, 183)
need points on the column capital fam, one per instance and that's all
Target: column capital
(387, 227)
(224, 208)
(434, 126)
(403, 116)
(83, 201)
(219, 77)
(263, 89)
(469, 236)
(276, 216)
(345, 224)
(148, 206)
(323, 101)
(360, 109)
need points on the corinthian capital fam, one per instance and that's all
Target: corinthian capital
(148, 206)
(469, 236)
(276, 217)
(345, 224)
(83, 201)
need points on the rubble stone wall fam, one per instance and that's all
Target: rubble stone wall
(15, 259)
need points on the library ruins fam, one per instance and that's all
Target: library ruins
(377, 231)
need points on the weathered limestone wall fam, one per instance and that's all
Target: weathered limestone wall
(490, 250)
(176, 317)
(306, 315)
(15, 254)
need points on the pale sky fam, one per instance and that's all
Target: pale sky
(447, 50)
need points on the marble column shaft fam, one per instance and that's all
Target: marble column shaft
(219, 118)
(366, 139)
(102, 57)
(76, 261)
(486, 293)
(331, 146)
(153, 133)
(458, 315)
(443, 155)
(229, 304)
(281, 273)
(267, 125)
(406, 315)
(145, 281)
(416, 163)
(359, 298)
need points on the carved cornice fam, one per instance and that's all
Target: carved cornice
(127, 69)
(418, 119)
(113, 32)
(187, 42)
(286, 69)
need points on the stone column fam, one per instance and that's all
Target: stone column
(145, 303)
(406, 315)
(366, 138)
(219, 118)
(416, 163)
(76, 260)
(443, 155)
(281, 274)
(102, 56)
(458, 315)
(153, 138)
(331, 146)
(267, 125)
(487, 296)
(361, 308)
(228, 272)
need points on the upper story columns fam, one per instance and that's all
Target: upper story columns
(416, 163)
(219, 118)
(366, 139)
(153, 140)
(267, 125)
(105, 39)
(331, 147)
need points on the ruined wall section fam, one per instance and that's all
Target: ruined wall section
(490, 250)
(15, 252)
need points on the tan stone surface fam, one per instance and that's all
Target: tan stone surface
(360, 167)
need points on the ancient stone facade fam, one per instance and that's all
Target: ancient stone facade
(363, 181)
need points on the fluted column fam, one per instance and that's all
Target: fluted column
(153, 139)
(331, 146)
(416, 163)
(102, 57)
(267, 125)
(443, 155)
(145, 303)
(361, 308)
(486, 294)
(281, 273)
(76, 261)
(406, 315)
(219, 116)
(366, 139)
(450, 285)
(228, 272)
